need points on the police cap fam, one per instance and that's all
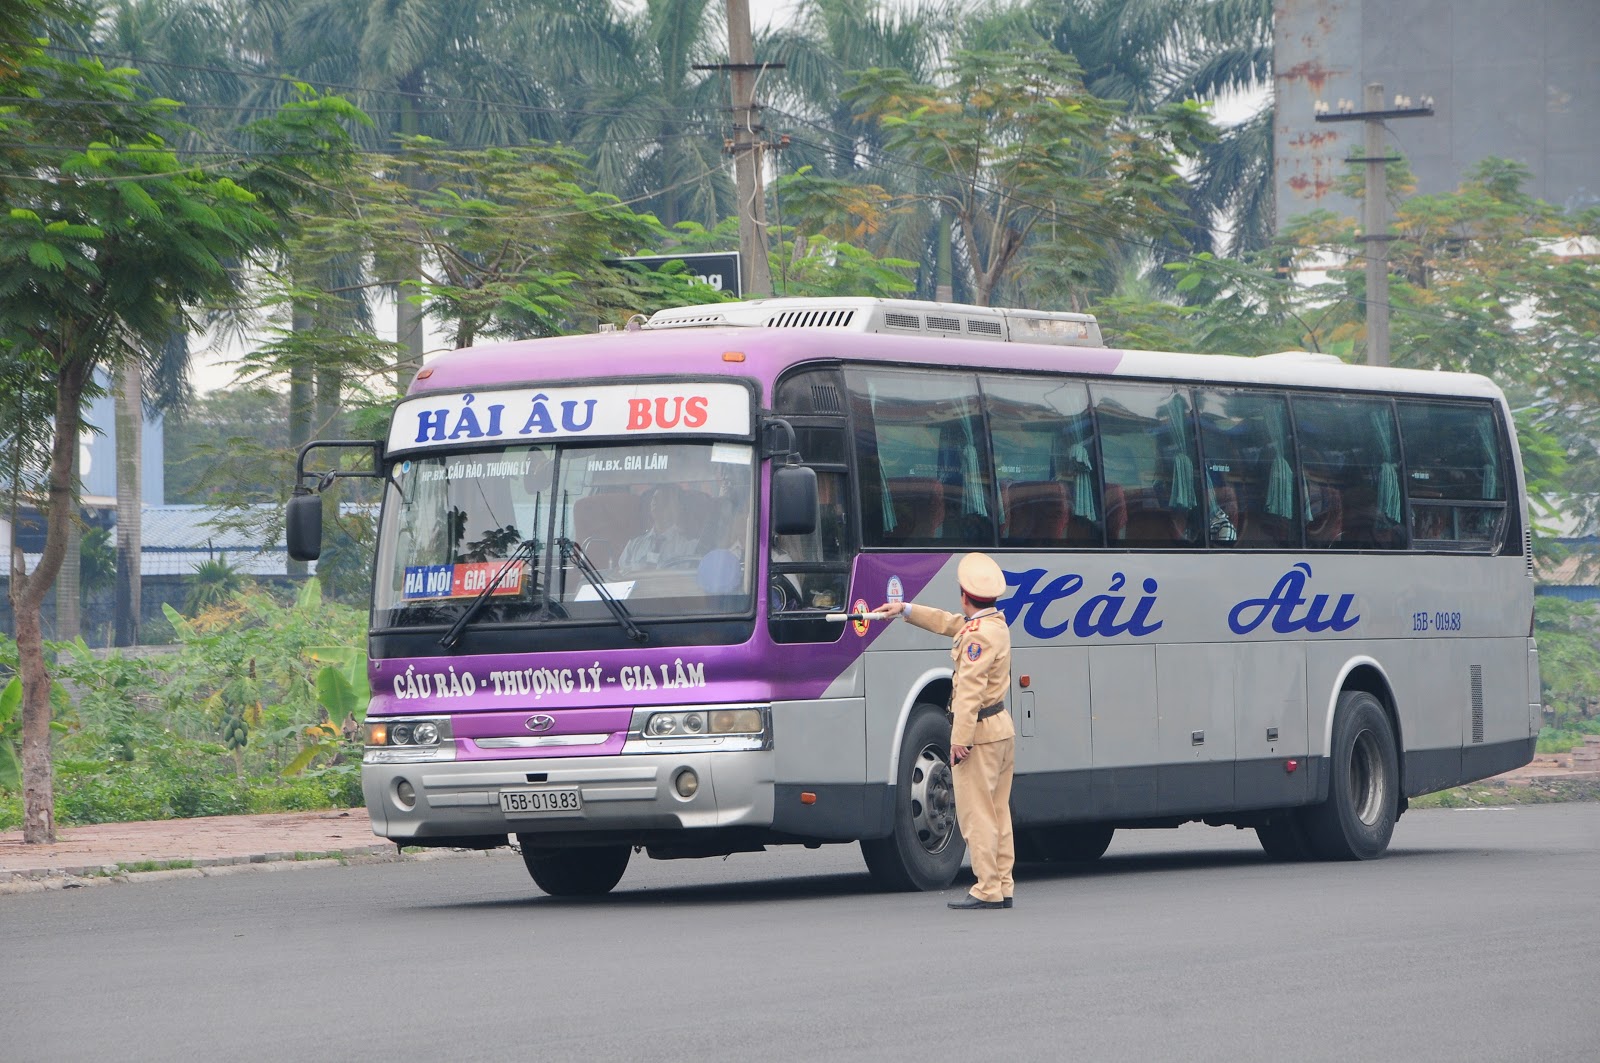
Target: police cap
(981, 578)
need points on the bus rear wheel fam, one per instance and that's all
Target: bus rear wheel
(1075, 844)
(1357, 820)
(924, 850)
(576, 872)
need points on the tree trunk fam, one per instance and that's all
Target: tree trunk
(69, 582)
(27, 597)
(130, 493)
(410, 326)
(302, 404)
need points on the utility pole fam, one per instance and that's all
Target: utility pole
(746, 149)
(1375, 222)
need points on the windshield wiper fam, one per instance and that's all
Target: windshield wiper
(571, 551)
(526, 552)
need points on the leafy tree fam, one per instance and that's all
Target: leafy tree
(650, 123)
(513, 241)
(207, 436)
(1151, 53)
(106, 242)
(1021, 152)
(1569, 658)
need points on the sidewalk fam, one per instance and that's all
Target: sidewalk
(195, 846)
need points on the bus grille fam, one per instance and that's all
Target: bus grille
(825, 399)
(811, 319)
(1527, 548)
(1477, 702)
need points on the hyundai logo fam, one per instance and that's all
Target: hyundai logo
(540, 722)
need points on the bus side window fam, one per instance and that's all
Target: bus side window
(1042, 438)
(1147, 448)
(924, 464)
(1455, 475)
(1350, 473)
(1247, 469)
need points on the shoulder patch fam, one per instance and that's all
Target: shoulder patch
(974, 651)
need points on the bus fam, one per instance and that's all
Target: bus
(624, 585)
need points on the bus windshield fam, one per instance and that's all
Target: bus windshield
(667, 525)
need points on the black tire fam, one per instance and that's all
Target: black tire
(1078, 843)
(1357, 820)
(924, 851)
(581, 872)
(1283, 838)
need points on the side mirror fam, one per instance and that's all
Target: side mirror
(794, 500)
(302, 527)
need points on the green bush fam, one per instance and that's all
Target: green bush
(1566, 739)
(256, 711)
(169, 779)
(331, 788)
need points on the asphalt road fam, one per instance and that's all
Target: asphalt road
(1475, 939)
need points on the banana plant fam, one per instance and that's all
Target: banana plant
(10, 733)
(11, 730)
(343, 692)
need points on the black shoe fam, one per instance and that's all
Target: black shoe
(1006, 903)
(969, 902)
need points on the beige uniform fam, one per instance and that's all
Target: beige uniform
(982, 654)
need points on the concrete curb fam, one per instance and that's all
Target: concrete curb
(41, 879)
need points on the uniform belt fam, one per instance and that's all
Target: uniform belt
(983, 714)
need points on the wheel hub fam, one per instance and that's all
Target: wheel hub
(1367, 779)
(933, 800)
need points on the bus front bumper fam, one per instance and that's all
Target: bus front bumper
(555, 795)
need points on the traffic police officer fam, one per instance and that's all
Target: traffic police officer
(982, 738)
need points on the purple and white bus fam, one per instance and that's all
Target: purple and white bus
(623, 579)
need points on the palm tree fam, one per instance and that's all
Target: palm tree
(1147, 53)
(826, 45)
(180, 48)
(439, 68)
(649, 122)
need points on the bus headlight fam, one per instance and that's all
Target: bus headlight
(429, 732)
(408, 741)
(700, 722)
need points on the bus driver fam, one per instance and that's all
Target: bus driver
(664, 542)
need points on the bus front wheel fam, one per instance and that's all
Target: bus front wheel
(924, 850)
(1357, 819)
(577, 872)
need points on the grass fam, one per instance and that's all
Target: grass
(155, 865)
(1486, 795)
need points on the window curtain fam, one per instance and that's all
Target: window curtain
(1280, 480)
(973, 498)
(883, 481)
(1389, 470)
(1083, 494)
(1491, 467)
(1182, 464)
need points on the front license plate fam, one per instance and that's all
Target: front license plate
(540, 802)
